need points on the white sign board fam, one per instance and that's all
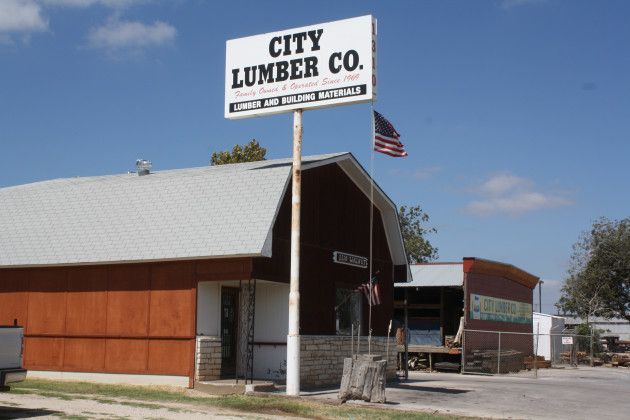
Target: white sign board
(567, 340)
(350, 259)
(314, 66)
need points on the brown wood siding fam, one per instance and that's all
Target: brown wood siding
(86, 303)
(13, 296)
(43, 353)
(335, 216)
(126, 355)
(46, 302)
(84, 354)
(128, 301)
(224, 269)
(167, 293)
(135, 318)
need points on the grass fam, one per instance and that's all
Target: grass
(151, 397)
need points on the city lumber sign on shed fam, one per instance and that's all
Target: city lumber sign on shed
(313, 66)
(487, 308)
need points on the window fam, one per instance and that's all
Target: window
(347, 310)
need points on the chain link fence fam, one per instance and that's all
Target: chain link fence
(499, 352)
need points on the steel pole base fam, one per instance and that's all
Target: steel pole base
(293, 365)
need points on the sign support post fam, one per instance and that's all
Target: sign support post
(311, 67)
(293, 338)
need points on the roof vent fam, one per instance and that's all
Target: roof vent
(143, 167)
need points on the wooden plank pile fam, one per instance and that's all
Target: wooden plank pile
(621, 359)
(363, 379)
(580, 357)
(486, 361)
(540, 363)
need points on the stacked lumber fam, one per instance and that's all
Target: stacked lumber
(621, 359)
(579, 356)
(623, 346)
(597, 361)
(486, 361)
(539, 362)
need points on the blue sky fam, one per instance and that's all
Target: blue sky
(515, 113)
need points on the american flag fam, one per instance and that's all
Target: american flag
(376, 293)
(386, 137)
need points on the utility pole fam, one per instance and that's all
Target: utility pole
(540, 283)
(293, 338)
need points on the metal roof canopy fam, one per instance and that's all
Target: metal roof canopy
(435, 275)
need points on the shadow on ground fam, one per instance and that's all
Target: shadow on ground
(25, 413)
(429, 389)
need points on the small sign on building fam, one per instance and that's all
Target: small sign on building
(350, 259)
(567, 340)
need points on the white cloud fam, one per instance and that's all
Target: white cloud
(21, 16)
(119, 35)
(513, 195)
(502, 183)
(417, 174)
(424, 173)
(517, 203)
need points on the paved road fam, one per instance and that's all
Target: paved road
(584, 393)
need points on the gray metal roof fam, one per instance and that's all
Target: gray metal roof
(435, 275)
(211, 211)
(596, 320)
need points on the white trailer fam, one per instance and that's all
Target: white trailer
(11, 370)
(550, 328)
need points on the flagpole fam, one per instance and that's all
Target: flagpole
(371, 224)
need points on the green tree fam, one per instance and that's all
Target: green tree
(250, 152)
(412, 226)
(584, 331)
(598, 281)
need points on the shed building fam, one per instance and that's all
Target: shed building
(184, 273)
(477, 295)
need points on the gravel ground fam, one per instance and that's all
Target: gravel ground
(18, 406)
(584, 393)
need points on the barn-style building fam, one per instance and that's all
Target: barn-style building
(184, 273)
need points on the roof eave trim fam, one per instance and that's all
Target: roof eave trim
(143, 261)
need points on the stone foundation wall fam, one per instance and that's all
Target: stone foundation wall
(322, 357)
(208, 358)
